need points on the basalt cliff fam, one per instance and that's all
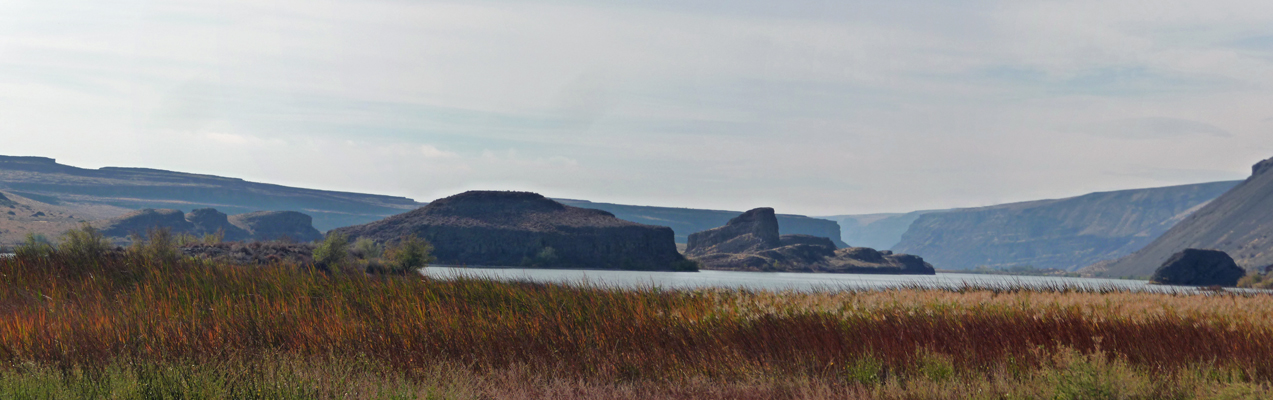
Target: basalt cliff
(258, 226)
(751, 242)
(502, 229)
(1239, 223)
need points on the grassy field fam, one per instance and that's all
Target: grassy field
(129, 327)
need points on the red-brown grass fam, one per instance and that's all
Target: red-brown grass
(91, 312)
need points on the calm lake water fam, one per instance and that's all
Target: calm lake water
(777, 281)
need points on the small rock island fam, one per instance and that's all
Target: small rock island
(1198, 267)
(505, 229)
(751, 242)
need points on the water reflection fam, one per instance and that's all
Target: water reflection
(789, 281)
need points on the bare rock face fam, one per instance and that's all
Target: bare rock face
(751, 243)
(788, 240)
(142, 221)
(1239, 223)
(210, 221)
(275, 225)
(1199, 268)
(490, 228)
(753, 231)
(1261, 166)
(862, 260)
(260, 226)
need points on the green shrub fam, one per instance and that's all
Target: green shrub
(546, 256)
(936, 367)
(1256, 280)
(35, 245)
(159, 245)
(183, 239)
(215, 237)
(367, 249)
(333, 252)
(685, 265)
(409, 254)
(865, 370)
(86, 241)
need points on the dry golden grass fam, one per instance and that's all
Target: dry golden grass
(475, 338)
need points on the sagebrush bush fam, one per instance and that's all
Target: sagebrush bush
(215, 237)
(1256, 280)
(333, 252)
(367, 249)
(159, 244)
(184, 239)
(35, 245)
(410, 253)
(86, 241)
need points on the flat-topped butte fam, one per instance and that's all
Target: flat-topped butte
(497, 228)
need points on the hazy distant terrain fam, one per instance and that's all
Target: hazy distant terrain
(1064, 233)
(877, 231)
(110, 192)
(1239, 223)
(1067, 234)
(685, 221)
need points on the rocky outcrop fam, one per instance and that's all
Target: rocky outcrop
(209, 221)
(788, 240)
(140, 222)
(751, 242)
(755, 230)
(1239, 223)
(277, 225)
(488, 228)
(862, 260)
(1261, 167)
(1199, 268)
(259, 226)
(687, 221)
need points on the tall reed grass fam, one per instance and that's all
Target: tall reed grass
(110, 315)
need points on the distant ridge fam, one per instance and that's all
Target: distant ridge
(1065, 234)
(1240, 223)
(877, 231)
(43, 179)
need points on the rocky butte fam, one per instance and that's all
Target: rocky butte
(750, 242)
(1199, 267)
(261, 225)
(495, 228)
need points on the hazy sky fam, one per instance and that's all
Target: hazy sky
(831, 107)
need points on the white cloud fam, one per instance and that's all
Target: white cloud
(1155, 128)
(242, 140)
(433, 152)
(816, 107)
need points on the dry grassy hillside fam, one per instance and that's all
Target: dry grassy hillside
(1239, 223)
(20, 215)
